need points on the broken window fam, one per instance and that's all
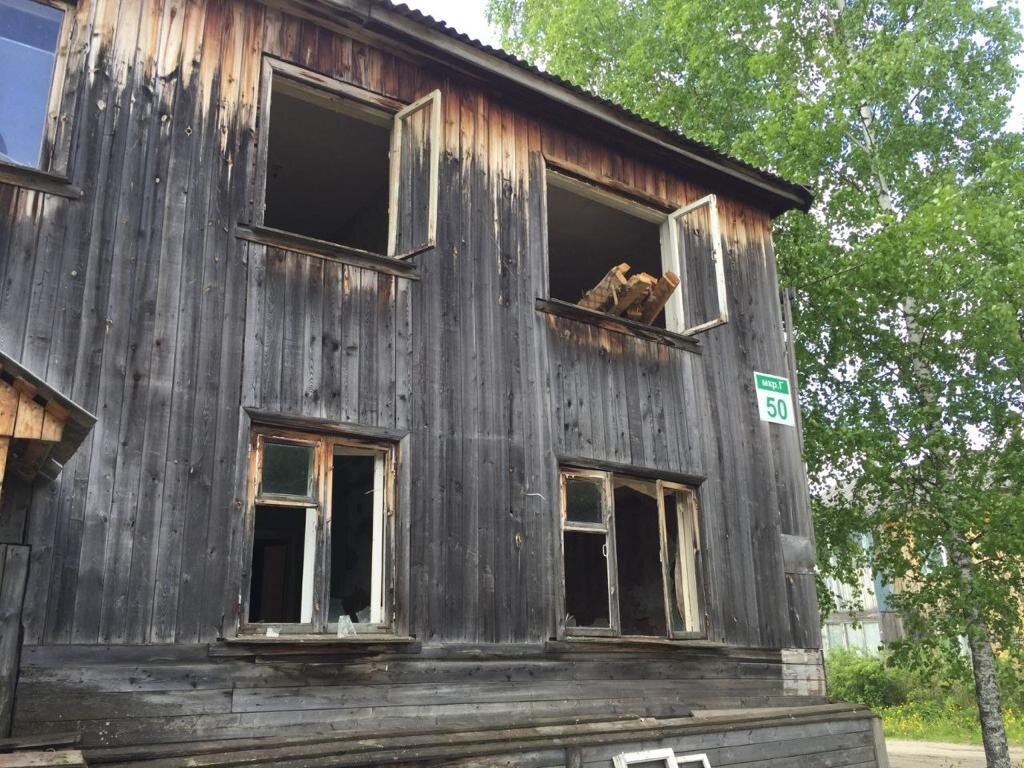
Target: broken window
(347, 166)
(320, 533)
(608, 253)
(630, 556)
(29, 35)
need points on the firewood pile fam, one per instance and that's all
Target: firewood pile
(640, 297)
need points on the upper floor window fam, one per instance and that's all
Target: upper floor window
(321, 534)
(631, 551)
(612, 254)
(30, 33)
(348, 166)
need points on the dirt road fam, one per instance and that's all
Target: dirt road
(932, 754)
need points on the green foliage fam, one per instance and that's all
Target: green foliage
(908, 274)
(929, 696)
(949, 720)
(863, 679)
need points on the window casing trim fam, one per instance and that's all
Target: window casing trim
(696, 598)
(320, 501)
(653, 210)
(51, 175)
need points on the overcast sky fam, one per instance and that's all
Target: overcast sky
(468, 16)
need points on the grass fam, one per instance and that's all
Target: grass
(945, 721)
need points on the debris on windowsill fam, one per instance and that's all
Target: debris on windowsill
(640, 297)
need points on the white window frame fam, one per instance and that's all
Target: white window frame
(318, 507)
(432, 100)
(605, 528)
(53, 158)
(673, 257)
(688, 530)
(687, 760)
(380, 512)
(627, 759)
(361, 99)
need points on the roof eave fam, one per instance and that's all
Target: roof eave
(386, 18)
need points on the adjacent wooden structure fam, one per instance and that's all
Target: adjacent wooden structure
(162, 302)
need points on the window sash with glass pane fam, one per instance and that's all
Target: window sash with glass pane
(630, 556)
(30, 34)
(320, 534)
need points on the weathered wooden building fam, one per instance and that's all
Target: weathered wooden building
(311, 456)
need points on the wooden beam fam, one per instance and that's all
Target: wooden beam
(39, 759)
(658, 298)
(638, 288)
(53, 428)
(9, 397)
(604, 294)
(29, 422)
(5, 445)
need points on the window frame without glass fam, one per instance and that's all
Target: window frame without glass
(55, 138)
(676, 255)
(687, 529)
(329, 90)
(317, 507)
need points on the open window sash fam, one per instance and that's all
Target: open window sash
(602, 530)
(680, 552)
(415, 164)
(307, 506)
(683, 254)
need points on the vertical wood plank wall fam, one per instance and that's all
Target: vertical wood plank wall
(140, 303)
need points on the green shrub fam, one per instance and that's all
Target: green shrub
(1010, 675)
(861, 679)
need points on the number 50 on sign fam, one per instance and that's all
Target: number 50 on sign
(774, 401)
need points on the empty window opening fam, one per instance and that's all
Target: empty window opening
(588, 236)
(586, 580)
(29, 34)
(320, 531)
(630, 556)
(352, 537)
(638, 557)
(327, 167)
(277, 564)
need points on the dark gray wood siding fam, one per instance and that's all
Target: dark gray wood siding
(178, 693)
(141, 304)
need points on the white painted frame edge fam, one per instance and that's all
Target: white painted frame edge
(702, 759)
(675, 310)
(434, 100)
(632, 758)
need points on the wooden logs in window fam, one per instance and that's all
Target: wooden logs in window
(640, 298)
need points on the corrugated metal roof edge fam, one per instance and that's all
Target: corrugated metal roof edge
(798, 190)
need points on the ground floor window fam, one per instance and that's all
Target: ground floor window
(320, 533)
(630, 556)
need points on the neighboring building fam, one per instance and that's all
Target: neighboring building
(313, 458)
(865, 622)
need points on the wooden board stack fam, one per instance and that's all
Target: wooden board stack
(640, 298)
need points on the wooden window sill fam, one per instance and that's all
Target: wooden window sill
(322, 249)
(598, 644)
(621, 325)
(40, 181)
(297, 645)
